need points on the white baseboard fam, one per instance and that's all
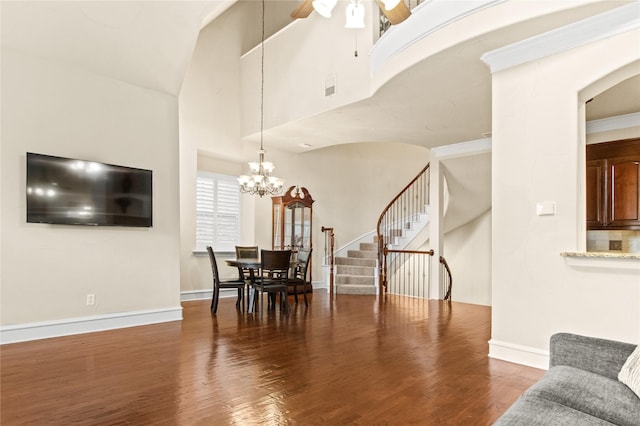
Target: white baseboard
(319, 284)
(519, 354)
(187, 296)
(190, 295)
(66, 327)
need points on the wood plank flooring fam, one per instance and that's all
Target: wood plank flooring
(353, 360)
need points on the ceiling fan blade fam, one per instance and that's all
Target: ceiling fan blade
(303, 10)
(397, 14)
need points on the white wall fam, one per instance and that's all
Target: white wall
(350, 183)
(209, 123)
(293, 89)
(468, 253)
(47, 270)
(539, 155)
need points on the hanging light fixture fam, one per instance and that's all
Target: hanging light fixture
(261, 182)
(355, 15)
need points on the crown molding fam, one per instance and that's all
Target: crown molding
(462, 149)
(614, 123)
(599, 27)
(481, 146)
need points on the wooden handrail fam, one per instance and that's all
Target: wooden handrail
(386, 209)
(382, 244)
(443, 261)
(407, 272)
(331, 255)
(429, 252)
(393, 221)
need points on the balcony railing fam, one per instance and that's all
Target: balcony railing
(384, 22)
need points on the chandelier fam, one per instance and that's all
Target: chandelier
(261, 181)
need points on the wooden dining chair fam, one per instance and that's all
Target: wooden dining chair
(219, 284)
(246, 252)
(299, 276)
(273, 277)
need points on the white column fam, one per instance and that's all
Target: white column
(436, 226)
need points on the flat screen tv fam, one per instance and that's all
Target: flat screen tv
(78, 192)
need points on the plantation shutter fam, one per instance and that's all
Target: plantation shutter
(217, 212)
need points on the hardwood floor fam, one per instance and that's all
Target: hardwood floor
(353, 361)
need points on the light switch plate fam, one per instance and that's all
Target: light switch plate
(546, 208)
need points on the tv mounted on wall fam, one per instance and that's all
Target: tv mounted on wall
(78, 192)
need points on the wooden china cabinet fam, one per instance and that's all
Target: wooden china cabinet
(292, 219)
(292, 216)
(613, 185)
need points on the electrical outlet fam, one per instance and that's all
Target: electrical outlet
(91, 299)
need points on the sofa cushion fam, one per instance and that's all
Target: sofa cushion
(591, 393)
(630, 372)
(600, 356)
(533, 411)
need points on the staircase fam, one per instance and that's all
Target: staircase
(402, 229)
(396, 261)
(355, 273)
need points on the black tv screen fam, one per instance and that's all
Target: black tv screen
(78, 192)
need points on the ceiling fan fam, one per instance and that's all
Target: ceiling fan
(396, 11)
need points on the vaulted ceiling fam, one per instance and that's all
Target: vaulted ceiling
(145, 43)
(445, 98)
(149, 44)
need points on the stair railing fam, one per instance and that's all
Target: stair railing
(329, 253)
(407, 205)
(447, 279)
(408, 272)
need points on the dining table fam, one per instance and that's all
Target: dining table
(252, 264)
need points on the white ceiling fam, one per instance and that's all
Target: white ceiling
(623, 98)
(443, 99)
(146, 43)
(149, 44)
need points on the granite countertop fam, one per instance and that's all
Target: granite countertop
(601, 254)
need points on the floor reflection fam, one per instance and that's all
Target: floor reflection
(342, 360)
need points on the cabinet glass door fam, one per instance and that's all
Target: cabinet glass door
(276, 236)
(292, 220)
(306, 228)
(289, 223)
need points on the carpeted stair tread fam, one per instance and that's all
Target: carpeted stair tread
(353, 261)
(355, 289)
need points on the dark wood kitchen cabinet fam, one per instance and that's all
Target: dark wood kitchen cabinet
(596, 171)
(613, 185)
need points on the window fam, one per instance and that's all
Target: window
(217, 211)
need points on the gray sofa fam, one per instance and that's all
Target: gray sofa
(580, 388)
